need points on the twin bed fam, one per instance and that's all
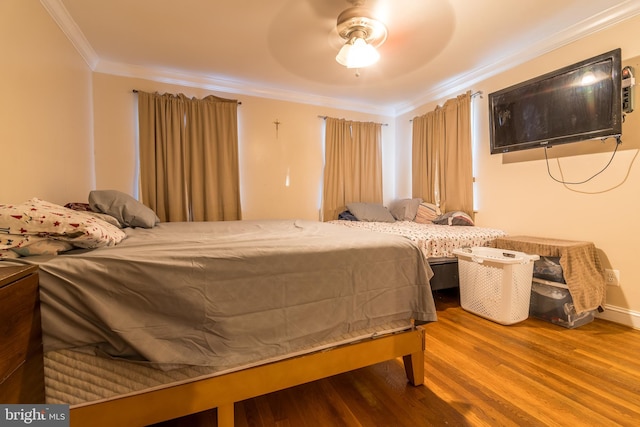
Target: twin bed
(435, 240)
(177, 318)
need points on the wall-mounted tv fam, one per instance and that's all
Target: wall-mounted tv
(575, 103)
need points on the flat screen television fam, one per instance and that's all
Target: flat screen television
(575, 103)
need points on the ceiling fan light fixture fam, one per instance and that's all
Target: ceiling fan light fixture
(363, 34)
(357, 53)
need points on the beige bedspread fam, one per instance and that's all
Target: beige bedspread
(580, 264)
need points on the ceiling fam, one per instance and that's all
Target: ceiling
(285, 49)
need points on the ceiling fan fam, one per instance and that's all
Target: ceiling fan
(362, 33)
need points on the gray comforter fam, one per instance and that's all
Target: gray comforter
(225, 293)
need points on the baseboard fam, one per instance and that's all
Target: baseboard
(620, 315)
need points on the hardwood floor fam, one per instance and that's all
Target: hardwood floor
(478, 373)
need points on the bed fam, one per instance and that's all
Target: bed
(436, 242)
(181, 317)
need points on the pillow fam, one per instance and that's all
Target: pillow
(36, 220)
(86, 208)
(427, 212)
(78, 206)
(405, 209)
(127, 210)
(104, 217)
(347, 216)
(454, 218)
(370, 212)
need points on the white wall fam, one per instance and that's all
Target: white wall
(46, 109)
(266, 157)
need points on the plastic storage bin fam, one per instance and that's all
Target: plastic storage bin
(551, 301)
(548, 268)
(495, 283)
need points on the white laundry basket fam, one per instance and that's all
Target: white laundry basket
(495, 283)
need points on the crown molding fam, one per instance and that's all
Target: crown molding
(462, 83)
(235, 87)
(453, 86)
(61, 16)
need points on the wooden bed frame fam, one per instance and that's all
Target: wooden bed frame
(223, 391)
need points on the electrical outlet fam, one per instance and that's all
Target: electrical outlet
(612, 277)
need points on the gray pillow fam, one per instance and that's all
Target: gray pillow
(371, 212)
(127, 210)
(405, 209)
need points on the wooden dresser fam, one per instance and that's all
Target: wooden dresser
(21, 361)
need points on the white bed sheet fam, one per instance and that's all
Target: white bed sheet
(435, 241)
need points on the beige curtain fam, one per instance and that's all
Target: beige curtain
(441, 156)
(424, 156)
(189, 157)
(353, 165)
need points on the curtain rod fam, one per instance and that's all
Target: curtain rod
(325, 118)
(136, 91)
(473, 95)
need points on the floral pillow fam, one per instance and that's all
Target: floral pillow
(31, 223)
